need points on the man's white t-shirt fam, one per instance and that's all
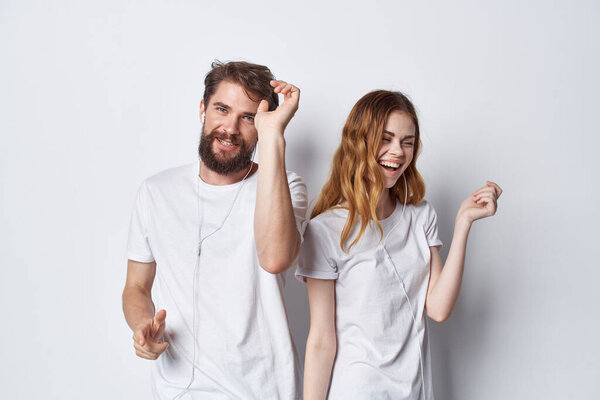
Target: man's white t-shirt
(380, 305)
(244, 349)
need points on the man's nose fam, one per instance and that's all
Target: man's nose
(230, 125)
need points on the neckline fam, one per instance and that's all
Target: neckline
(220, 188)
(385, 221)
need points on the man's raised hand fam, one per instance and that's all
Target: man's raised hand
(277, 119)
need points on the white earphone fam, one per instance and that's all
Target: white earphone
(197, 265)
(403, 285)
(203, 117)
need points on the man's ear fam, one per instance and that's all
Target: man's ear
(202, 108)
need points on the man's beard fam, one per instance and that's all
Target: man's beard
(230, 165)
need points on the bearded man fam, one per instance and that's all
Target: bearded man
(208, 244)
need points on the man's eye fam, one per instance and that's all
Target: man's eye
(249, 118)
(221, 109)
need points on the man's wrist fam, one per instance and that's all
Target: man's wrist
(271, 137)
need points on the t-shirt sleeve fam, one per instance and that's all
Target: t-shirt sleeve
(299, 200)
(138, 247)
(316, 256)
(431, 228)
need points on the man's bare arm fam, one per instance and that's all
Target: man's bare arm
(148, 329)
(276, 235)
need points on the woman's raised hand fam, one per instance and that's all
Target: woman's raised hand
(482, 203)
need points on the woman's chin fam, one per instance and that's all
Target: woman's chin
(390, 177)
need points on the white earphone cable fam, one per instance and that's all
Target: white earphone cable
(197, 266)
(412, 314)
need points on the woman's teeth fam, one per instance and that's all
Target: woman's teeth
(388, 164)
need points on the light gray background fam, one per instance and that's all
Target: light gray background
(96, 96)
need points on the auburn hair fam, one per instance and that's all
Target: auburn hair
(355, 177)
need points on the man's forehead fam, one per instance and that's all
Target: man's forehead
(234, 94)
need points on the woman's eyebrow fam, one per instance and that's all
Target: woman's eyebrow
(393, 134)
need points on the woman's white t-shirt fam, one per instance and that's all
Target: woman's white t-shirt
(383, 351)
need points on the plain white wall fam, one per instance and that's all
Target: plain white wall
(96, 96)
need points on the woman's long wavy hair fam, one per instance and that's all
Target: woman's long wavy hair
(355, 176)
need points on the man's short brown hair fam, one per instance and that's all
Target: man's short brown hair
(254, 78)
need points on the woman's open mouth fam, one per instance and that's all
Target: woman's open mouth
(389, 166)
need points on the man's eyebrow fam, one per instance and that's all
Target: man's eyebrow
(219, 104)
(393, 134)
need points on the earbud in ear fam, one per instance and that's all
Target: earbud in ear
(203, 117)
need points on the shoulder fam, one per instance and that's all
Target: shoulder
(293, 177)
(424, 207)
(323, 232)
(170, 177)
(424, 213)
(297, 187)
(332, 220)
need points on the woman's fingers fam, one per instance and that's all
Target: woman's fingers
(486, 190)
(489, 188)
(485, 197)
(497, 188)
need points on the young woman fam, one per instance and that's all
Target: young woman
(371, 262)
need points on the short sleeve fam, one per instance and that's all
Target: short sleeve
(431, 228)
(299, 200)
(316, 256)
(138, 247)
